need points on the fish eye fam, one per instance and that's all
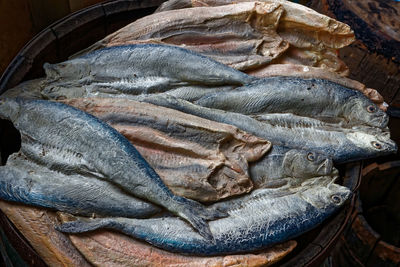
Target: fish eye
(336, 199)
(311, 156)
(376, 145)
(371, 108)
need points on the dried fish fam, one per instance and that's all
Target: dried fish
(255, 222)
(302, 71)
(313, 37)
(26, 182)
(314, 98)
(138, 69)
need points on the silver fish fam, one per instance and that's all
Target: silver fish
(314, 98)
(21, 180)
(256, 221)
(342, 145)
(66, 139)
(137, 69)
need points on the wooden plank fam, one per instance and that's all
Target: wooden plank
(79, 30)
(302, 259)
(373, 59)
(76, 5)
(361, 239)
(20, 244)
(342, 256)
(385, 255)
(41, 49)
(14, 73)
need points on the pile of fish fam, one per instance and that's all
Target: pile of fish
(183, 150)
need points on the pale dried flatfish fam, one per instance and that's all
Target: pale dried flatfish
(37, 226)
(313, 37)
(105, 248)
(299, 25)
(255, 221)
(65, 139)
(241, 35)
(302, 71)
(196, 158)
(327, 59)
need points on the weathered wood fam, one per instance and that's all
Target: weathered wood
(37, 225)
(374, 59)
(377, 183)
(376, 220)
(38, 51)
(20, 244)
(384, 254)
(79, 30)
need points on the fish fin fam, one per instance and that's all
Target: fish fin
(79, 226)
(197, 215)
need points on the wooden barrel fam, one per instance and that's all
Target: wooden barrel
(373, 235)
(81, 29)
(374, 59)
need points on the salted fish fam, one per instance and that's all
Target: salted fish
(137, 69)
(301, 71)
(66, 139)
(314, 98)
(24, 181)
(256, 221)
(109, 248)
(241, 35)
(313, 37)
(195, 157)
(341, 144)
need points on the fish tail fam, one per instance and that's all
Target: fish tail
(198, 215)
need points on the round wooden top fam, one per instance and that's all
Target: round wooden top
(375, 22)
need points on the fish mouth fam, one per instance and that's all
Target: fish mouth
(380, 121)
(325, 167)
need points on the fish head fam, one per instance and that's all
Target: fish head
(74, 69)
(61, 91)
(361, 109)
(9, 109)
(324, 194)
(371, 143)
(307, 164)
